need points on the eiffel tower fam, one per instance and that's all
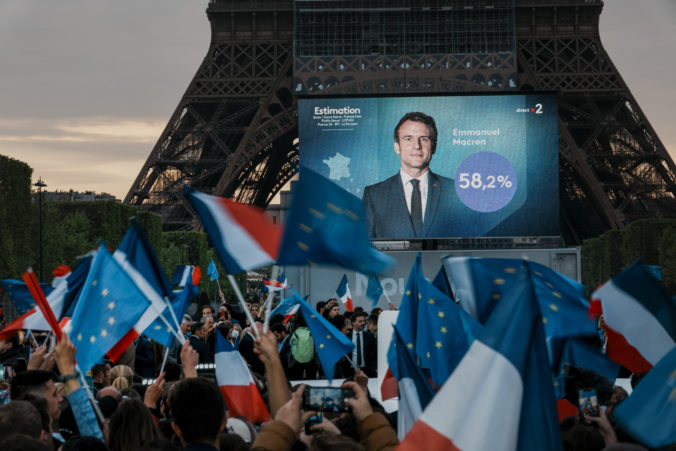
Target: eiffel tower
(234, 131)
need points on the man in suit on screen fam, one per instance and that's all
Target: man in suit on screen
(414, 203)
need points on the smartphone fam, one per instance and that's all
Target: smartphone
(2, 371)
(588, 403)
(329, 399)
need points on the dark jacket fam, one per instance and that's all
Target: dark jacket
(387, 216)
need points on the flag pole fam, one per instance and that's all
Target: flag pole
(171, 310)
(389, 301)
(240, 298)
(268, 301)
(164, 360)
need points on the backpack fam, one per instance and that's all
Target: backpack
(302, 345)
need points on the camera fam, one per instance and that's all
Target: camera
(327, 399)
(588, 403)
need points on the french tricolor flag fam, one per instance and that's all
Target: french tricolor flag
(236, 383)
(287, 307)
(639, 318)
(343, 292)
(243, 236)
(61, 300)
(276, 285)
(500, 396)
(185, 274)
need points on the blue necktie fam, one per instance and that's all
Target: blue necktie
(416, 208)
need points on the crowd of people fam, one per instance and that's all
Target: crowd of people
(154, 398)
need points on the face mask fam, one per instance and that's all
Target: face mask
(234, 334)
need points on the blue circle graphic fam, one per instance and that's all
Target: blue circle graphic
(485, 182)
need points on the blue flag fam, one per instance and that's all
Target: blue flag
(575, 351)
(481, 282)
(441, 282)
(137, 249)
(407, 320)
(20, 296)
(649, 413)
(212, 272)
(326, 225)
(158, 330)
(500, 396)
(331, 345)
(374, 289)
(447, 331)
(110, 305)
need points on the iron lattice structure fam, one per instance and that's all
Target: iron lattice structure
(234, 131)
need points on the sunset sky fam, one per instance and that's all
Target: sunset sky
(87, 87)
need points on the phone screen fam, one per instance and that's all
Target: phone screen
(589, 404)
(329, 399)
(2, 371)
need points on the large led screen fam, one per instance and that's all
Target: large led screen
(491, 170)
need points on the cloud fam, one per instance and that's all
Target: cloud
(80, 130)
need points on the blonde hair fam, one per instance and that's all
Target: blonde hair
(121, 372)
(121, 383)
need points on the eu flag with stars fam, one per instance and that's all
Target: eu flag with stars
(407, 320)
(448, 330)
(110, 305)
(326, 225)
(20, 296)
(331, 345)
(480, 283)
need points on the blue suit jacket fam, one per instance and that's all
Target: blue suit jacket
(387, 216)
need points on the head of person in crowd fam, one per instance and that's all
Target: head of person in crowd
(208, 323)
(22, 417)
(224, 313)
(372, 324)
(321, 305)
(197, 331)
(131, 426)
(198, 411)
(185, 324)
(208, 310)
(20, 442)
(242, 427)
(101, 374)
(358, 309)
(358, 321)
(111, 391)
(120, 372)
(279, 330)
(618, 395)
(341, 324)
(376, 311)
(255, 309)
(335, 310)
(37, 383)
(232, 442)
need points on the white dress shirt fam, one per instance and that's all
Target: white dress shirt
(408, 189)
